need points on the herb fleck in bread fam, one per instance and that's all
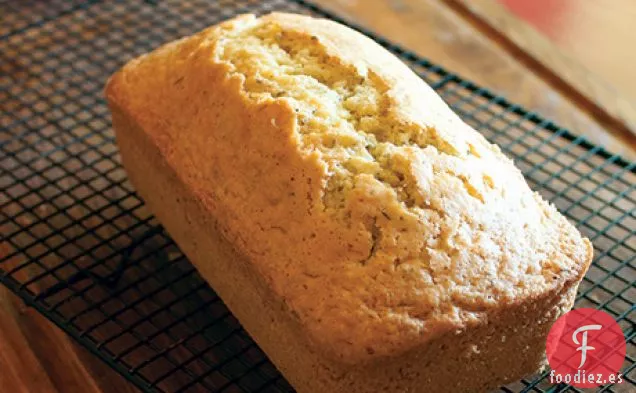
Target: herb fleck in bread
(366, 237)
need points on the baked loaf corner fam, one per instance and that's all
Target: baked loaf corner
(386, 243)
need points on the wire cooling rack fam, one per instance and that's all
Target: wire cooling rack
(80, 247)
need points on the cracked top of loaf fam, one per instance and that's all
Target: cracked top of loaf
(371, 210)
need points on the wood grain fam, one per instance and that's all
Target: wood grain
(613, 106)
(598, 35)
(38, 357)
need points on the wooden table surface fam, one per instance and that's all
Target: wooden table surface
(501, 45)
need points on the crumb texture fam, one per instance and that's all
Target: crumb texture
(378, 216)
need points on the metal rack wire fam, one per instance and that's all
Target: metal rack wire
(80, 247)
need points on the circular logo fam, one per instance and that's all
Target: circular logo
(585, 348)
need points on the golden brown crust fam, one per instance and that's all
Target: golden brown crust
(437, 234)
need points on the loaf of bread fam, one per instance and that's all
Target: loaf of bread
(367, 238)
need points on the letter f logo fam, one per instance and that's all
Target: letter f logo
(583, 344)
